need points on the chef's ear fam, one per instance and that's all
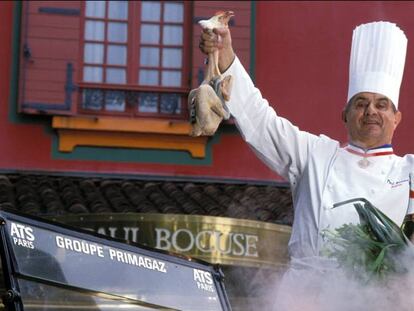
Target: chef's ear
(343, 116)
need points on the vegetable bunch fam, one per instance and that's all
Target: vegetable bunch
(368, 250)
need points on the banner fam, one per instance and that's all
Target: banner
(56, 268)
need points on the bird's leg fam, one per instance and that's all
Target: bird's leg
(212, 66)
(216, 70)
(213, 70)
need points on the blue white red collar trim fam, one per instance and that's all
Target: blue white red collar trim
(379, 151)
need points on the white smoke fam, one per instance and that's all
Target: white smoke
(336, 290)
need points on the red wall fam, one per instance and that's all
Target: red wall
(302, 60)
(302, 54)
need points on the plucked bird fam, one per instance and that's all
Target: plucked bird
(206, 103)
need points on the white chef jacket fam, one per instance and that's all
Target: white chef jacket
(319, 170)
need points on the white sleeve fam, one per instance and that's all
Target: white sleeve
(276, 141)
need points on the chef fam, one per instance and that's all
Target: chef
(321, 171)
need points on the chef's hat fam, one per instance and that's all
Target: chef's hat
(377, 60)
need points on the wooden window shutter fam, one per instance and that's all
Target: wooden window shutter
(49, 57)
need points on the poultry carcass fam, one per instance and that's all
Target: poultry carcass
(207, 102)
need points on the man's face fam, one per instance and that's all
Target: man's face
(371, 120)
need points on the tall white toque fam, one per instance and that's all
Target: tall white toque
(377, 60)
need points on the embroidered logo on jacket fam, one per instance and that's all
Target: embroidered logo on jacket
(396, 183)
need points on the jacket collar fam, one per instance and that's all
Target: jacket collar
(377, 151)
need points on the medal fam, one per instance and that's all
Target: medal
(364, 163)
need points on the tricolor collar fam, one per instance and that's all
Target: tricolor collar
(378, 151)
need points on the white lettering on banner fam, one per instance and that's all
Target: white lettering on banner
(234, 244)
(139, 261)
(251, 245)
(22, 232)
(238, 244)
(84, 247)
(102, 230)
(184, 240)
(79, 246)
(24, 243)
(187, 233)
(130, 233)
(204, 235)
(111, 233)
(22, 235)
(203, 280)
(162, 239)
(134, 233)
(218, 241)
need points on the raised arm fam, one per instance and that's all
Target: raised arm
(280, 144)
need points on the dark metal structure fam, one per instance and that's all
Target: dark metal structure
(48, 266)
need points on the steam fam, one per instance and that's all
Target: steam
(336, 290)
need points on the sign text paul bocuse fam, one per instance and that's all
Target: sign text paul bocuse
(213, 239)
(184, 240)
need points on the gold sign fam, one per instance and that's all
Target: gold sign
(219, 240)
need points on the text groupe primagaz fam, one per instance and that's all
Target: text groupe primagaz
(93, 249)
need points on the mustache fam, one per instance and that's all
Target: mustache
(372, 120)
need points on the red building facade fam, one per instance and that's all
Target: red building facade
(297, 52)
(81, 125)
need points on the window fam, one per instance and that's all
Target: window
(134, 58)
